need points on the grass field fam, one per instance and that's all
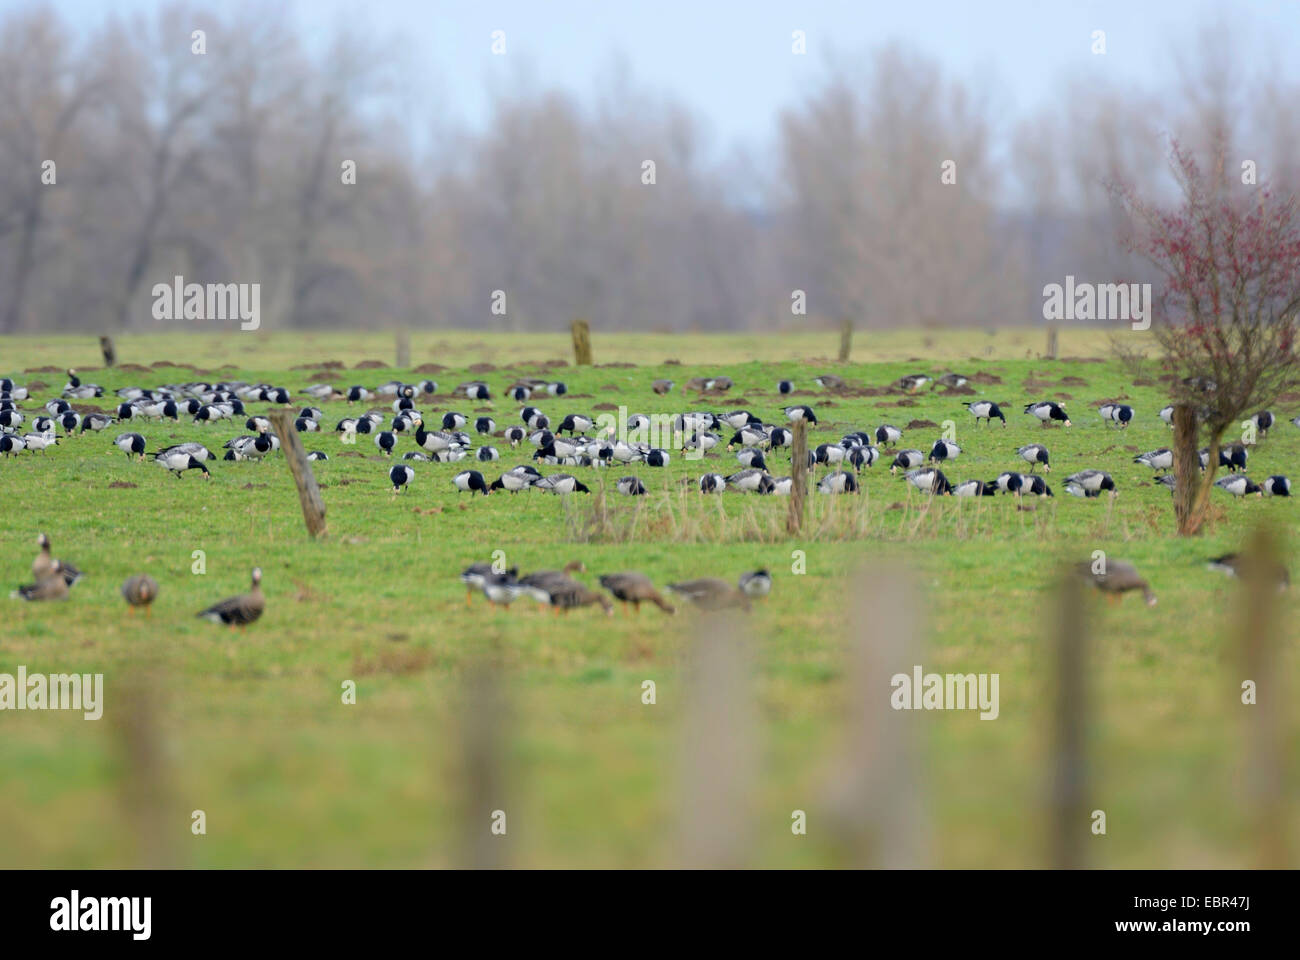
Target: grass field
(250, 728)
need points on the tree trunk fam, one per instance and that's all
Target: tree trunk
(313, 508)
(108, 350)
(798, 477)
(403, 339)
(1053, 342)
(581, 342)
(846, 339)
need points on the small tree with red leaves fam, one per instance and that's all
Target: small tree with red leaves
(1228, 308)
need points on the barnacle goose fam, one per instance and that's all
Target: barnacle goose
(713, 483)
(400, 476)
(907, 460)
(39, 441)
(1046, 411)
(561, 483)
(657, 458)
(800, 412)
(863, 456)
(517, 478)
(1034, 454)
(784, 386)
(838, 482)
(1091, 481)
(944, 450)
(1162, 459)
(750, 457)
(757, 583)
(974, 488)
(829, 453)
(912, 382)
(1239, 485)
(888, 434)
(386, 440)
(1276, 486)
(986, 410)
(929, 480)
(178, 461)
(487, 454)
(470, 481)
(317, 455)
(631, 486)
(747, 480)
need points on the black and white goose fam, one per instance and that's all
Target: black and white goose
(748, 481)
(1034, 454)
(96, 422)
(451, 420)
(974, 488)
(515, 435)
(657, 458)
(1263, 422)
(1233, 456)
(517, 478)
(986, 410)
(784, 386)
(1162, 459)
(488, 454)
(469, 481)
(1276, 486)
(319, 391)
(1009, 482)
(907, 460)
(830, 454)
(757, 583)
(1036, 485)
(929, 480)
(358, 394)
(400, 476)
(39, 441)
(829, 381)
(178, 461)
(318, 455)
(886, 434)
(1239, 485)
(12, 444)
(912, 382)
(754, 435)
(386, 440)
(575, 423)
(1167, 414)
(838, 482)
(862, 457)
(69, 421)
(800, 412)
(561, 483)
(434, 441)
(1092, 482)
(944, 450)
(703, 441)
(630, 487)
(749, 457)
(713, 483)
(1047, 411)
(779, 437)
(952, 381)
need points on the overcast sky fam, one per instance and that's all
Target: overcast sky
(731, 60)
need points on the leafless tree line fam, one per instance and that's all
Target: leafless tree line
(893, 195)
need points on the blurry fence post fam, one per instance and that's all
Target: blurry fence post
(720, 749)
(1069, 783)
(403, 338)
(877, 803)
(108, 350)
(798, 477)
(482, 772)
(147, 794)
(313, 508)
(1053, 342)
(581, 342)
(846, 339)
(1265, 753)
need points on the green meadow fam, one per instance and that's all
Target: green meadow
(250, 726)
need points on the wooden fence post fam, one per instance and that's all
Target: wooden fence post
(1265, 753)
(798, 477)
(1053, 342)
(846, 339)
(1187, 473)
(403, 338)
(108, 350)
(313, 508)
(581, 342)
(1068, 788)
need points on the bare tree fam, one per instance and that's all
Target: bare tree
(1229, 258)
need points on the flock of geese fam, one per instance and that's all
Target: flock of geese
(573, 441)
(53, 579)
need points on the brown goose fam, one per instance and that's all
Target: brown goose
(45, 563)
(53, 586)
(661, 386)
(140, 591)
(1119, 579)
(242, 610)
(710, 593)
(567, 596)
(635, 588)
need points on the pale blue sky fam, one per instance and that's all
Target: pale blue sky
(730, 60)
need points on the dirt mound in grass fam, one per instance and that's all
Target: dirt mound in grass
(986, 378)
(121, 485)
(605, 406)
(369, 365)
(482, 368)
(430, 368)
(615, 366)
(46, 369)
(1073, 382)
(37, 385)
(921, 425)
(134, 367)
(325, 375)
(960, 391)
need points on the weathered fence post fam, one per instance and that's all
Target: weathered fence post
(720, 754)
(108, 350)
(846, 339)
(482, 773)
(1053, 342)
(1187, 473)
(403, 338)
(581, 342)
(1069, 772)
(798, 477)
(1265, 751)
(313, 508)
